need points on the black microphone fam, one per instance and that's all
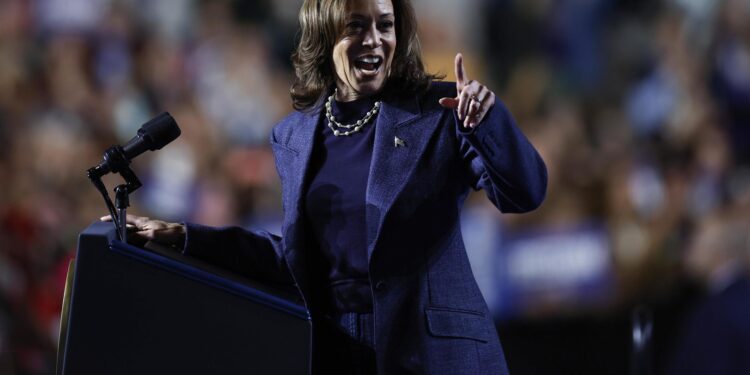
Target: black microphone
(153, 135)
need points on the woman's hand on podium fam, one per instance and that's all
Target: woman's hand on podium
(142, 229)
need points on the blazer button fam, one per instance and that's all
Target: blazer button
(380, 286)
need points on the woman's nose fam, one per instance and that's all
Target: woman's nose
(372, 38)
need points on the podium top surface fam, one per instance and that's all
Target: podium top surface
(279, 299)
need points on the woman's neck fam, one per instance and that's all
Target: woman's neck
(347, 94)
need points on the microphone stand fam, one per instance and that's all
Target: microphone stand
(642, 320)
(117, 162)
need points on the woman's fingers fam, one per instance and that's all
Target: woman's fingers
(484, 107)
(473, 100)
(462, 81)
(129, 219)
(449, 103)
(458, 103)
(474, 108)
(478, 107)
(144, 229)
(465, 97)
(461, 78)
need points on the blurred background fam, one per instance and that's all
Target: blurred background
(640, 108)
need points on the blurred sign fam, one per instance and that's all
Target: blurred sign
(545, 272)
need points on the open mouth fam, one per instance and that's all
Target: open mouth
(368, 64)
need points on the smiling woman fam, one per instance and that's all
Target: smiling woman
(363, 55)
(356, 29)
(375, 165)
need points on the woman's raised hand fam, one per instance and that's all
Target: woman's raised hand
(473, 99)
(142, 229)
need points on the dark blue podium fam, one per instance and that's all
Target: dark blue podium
(136, 311)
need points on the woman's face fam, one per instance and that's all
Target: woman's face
(362, 57)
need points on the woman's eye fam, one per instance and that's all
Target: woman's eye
(354, 25)
(386, 25)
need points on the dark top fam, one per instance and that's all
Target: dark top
(335, 205)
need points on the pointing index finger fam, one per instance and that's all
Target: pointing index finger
(461, 78)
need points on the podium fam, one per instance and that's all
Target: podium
(134, 311)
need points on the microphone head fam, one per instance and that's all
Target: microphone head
(159, 131)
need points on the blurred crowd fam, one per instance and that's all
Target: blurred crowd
(641, 110)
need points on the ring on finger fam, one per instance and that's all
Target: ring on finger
(474, 105)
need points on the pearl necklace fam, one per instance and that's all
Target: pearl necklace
(354, 127)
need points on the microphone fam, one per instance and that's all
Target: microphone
(153, 135)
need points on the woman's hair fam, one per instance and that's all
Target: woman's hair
(321, 26)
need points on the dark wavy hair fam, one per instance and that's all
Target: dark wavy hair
(321, 26)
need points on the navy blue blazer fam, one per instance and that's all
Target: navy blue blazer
(429, 314)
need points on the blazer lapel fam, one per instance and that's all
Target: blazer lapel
(401, 135)
(302, 140)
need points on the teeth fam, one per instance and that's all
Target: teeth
(370, 59)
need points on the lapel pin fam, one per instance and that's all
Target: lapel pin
(398, 142)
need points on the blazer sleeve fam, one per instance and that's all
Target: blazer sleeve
(255, 254)
(503, 162)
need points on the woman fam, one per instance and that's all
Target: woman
(375, 165)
